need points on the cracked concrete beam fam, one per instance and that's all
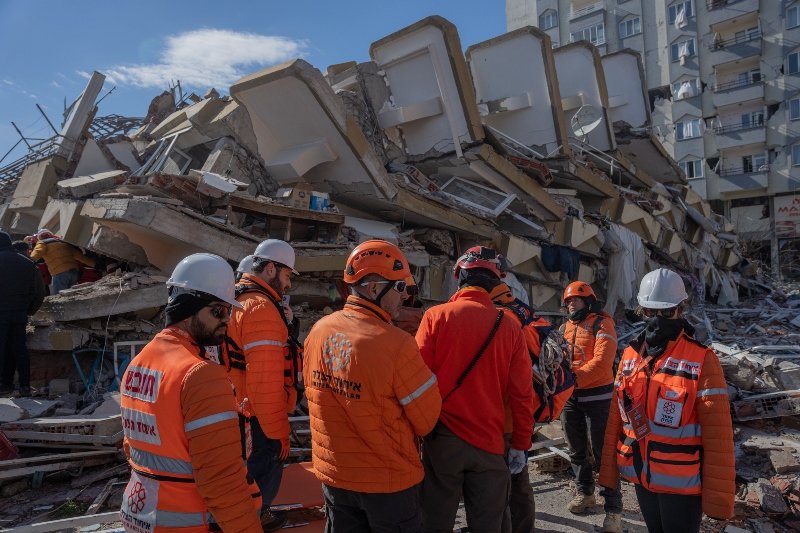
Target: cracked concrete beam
(432, 98)
(291, 106)
(166, 234)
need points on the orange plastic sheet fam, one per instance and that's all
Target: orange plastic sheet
(300, 489)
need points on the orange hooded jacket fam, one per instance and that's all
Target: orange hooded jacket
(261, 335)
(369, 396)
(183, 442)
(689, 447)
(593, 345)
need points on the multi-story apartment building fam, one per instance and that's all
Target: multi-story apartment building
(724, 84)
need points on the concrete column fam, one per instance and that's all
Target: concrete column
(774, 255)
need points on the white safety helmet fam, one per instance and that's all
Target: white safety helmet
(277, 251)
(661, 289)
(246, 265)
(205, 273)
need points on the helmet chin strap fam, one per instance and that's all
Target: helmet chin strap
(386, 289)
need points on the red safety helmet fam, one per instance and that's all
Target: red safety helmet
(580, 289)
(480, 257)
(377, 257)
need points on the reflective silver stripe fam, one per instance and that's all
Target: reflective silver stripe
(596, 397)
(675, 482)
(210, 419)
(159, 462)
(265, 342)
(712, 392)
(628, 472)
(419, 392)
(176, 519)
(683, 432)
(607, 336)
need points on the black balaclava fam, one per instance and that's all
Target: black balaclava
(185, 304)
(5, 240)
(661, 330)
(478, 277)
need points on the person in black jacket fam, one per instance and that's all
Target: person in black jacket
(21, 294)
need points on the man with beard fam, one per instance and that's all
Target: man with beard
(669, 431)
(180, 417)
(263, 364)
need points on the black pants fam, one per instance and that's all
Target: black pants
(669, 513)
(13, 351)
(585, 429)
(360, 512)
(264, 464)
(454, 468)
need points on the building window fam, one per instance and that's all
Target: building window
(630, 27)
(754, 163)
(793, 17)
(794, 109)
(754, 119)
(749, 76)
(686, 88)
(693, 168)
(687, 129)
(796, 155)
(595, 34)
(680, 51)
(548, 19)
(793, 63)
(676, 8)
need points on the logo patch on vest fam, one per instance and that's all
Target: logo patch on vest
(142, 383)
(668, 412)
(628, 365)
(139, 501)
(337, 350)
(682, 365)
(140, 426)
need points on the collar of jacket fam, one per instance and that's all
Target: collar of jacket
(182, 337)
(502, 294)
(687, 332)
(476, 294)
(365, 307)
(255, 280)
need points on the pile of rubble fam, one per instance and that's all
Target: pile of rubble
(546, 155)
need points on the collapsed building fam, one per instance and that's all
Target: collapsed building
(548, 158)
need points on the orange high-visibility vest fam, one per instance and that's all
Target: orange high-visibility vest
(162, 495)
(668, 458)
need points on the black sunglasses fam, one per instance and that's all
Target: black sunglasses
(666, 313)
(399, 286)
(220, 311)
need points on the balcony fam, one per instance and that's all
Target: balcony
(735, 48)
(719, 10)
(743, 179)
(585, 10)
(736, 91)
(740, 135)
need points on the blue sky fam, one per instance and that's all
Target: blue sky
(50, 46)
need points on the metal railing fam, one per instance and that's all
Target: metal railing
(733, 41)
(739, 127)
(742, 171)
(591, 8)
(737, 84)
(719, 4)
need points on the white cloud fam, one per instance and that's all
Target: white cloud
(83, 74)
(8, 82)
(209, 58)
(55, 84)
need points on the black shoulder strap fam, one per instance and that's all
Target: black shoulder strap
(478, 355)
(597, 323)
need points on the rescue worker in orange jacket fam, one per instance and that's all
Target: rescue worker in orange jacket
(521, 515)
(259, 359)
(669, 432)
(482, 365)
(181, 422)
(370, 397)
(592, 342)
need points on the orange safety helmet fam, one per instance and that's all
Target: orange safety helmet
(481, 257)
(377, 257)
(580, 289)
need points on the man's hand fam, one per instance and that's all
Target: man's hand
(516, 461)
(287, 310)
(284, 455)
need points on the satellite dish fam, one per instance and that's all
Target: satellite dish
(585, 120)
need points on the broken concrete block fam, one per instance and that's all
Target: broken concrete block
(94, 160)
(788, 375)
(102, 303)
(37, 183)
(13, 409)
(110, 405)
(770, 498)
(79, 114)
(113, 243)
(783, 461)
(432, 99)
(513, 95)
(87, 184)
(57, 387)
(625, 82)
(62, 216)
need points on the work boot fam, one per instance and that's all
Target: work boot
(612, 523)
(24, 392)
(580, 503)
(272, 521)
(6, 391)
